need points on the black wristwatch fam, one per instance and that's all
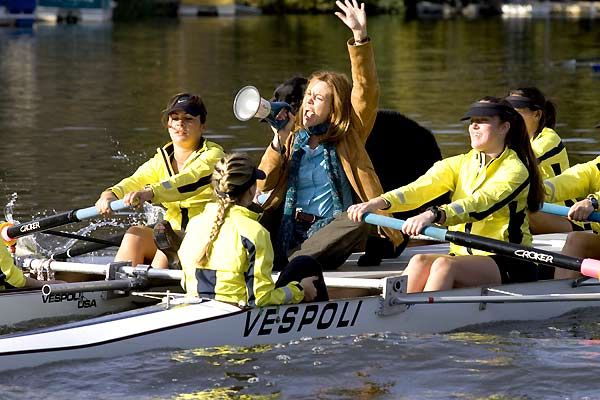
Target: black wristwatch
(594, 201)
(437, 214)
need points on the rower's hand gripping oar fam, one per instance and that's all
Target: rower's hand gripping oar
(9, 232)
(563, 211)
(588, 267)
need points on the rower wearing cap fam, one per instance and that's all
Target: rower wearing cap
(539, 114)
(492, 187)
(227, 254)
(178, 177)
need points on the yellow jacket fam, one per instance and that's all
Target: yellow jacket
(575, 183)
(488, 200)
(550, 152)
(185, 194)
(240, 263)
(9, 272)
(553, 161)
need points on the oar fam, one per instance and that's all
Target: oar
(563, 211)
(9, 233)
(114, 240)
(90, 239)
(588, 267)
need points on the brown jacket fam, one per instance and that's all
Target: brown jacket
(351, 147)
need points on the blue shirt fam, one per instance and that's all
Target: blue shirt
(314, 192)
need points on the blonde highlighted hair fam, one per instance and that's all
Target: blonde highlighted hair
(341, 104)
(232, 173)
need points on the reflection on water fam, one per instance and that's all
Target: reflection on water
(80, 105)
(80, 109)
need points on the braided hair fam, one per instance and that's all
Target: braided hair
(233, 175)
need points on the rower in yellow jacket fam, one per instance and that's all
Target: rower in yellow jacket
(178, 176)
(492, 188)
(227, 254)
(579, 181)
(539, 114)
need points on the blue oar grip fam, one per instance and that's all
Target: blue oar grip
(563, 211)
(394, 223)
(92, 212)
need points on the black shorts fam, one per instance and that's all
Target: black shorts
(514, 270)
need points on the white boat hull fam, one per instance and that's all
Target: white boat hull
(19, 307)
(211, 323)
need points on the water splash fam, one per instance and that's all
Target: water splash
(8, 208)
(43, 245)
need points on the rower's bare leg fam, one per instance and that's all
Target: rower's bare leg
(138, 247)
(581, 245)
(540, 223)
(417, 271)
(462, 271)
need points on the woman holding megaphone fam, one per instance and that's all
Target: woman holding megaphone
(317, 164)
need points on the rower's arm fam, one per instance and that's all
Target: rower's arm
(576, 182)
(265, 292)
(146, 174)
(12, 274)
(440, 179)
(495, 194)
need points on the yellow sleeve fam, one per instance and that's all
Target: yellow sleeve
(146, 174)
(502, 188)
(11, 274)
(551, 153)
(440, 179)
(190, 181)
(576, 182)
(261, 261)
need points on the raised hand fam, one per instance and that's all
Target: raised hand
(354, 17)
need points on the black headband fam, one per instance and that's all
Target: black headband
(484, 109)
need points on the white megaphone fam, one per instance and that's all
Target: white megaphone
(248, 104)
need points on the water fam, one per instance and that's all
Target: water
(80, 109)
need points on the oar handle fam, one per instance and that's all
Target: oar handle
(563, 211)
(10, 233)
(388, 222)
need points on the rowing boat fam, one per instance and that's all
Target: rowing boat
(178, 323)
(26, 308)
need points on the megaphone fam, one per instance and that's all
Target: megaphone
(248, 104)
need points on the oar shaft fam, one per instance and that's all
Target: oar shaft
(80, 237)
(564, 211)
(588, 267)
(88, 247)
(514, 250)
(42, 224)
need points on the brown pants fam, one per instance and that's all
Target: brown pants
(332, 245)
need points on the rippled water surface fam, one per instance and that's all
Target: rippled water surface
(80, 109)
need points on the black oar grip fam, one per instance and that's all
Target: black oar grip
(39, 225)
(514, 250)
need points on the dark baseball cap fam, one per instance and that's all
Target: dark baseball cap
(191, 104)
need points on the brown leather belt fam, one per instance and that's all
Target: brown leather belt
(306, 217)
